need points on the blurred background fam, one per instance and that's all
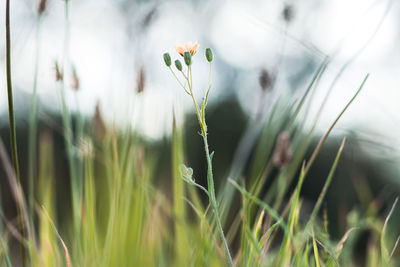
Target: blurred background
(116, 49)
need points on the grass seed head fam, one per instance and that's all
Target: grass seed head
(282, 154)
(59, 73)
(288, 13)
(42, 6)
(75, 80)
(99, 126)
(265, 80)
(140, 80)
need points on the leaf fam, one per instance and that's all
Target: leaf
(186, 173)
(212, 155)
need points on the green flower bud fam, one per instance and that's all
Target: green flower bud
(188, 58)
(209, 55)
(178, 65)
(167, 59)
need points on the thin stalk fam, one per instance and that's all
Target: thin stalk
(80, 124)
(179, 81)
(33, 125)
(327, 183)
(13, 135)
(213, 202)
(323, 139)
(210, 178)
(68, 135)
(196, 107)
(205, 100)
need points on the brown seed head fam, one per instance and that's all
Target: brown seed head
(75, 80)
(141, 79)
(42, 6)
(288, 13)
(282, 154)
(99, 127)
(59, 73)
(265, 80)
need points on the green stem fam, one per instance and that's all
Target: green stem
(33, 125)
(196, 107)
(176, 77)
(68, 135)
(80, 124)
(210, 179)
(213, 202)
(13, 135)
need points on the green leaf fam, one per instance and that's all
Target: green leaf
(186, 173)
(212, 155)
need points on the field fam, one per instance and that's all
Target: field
(222, 189)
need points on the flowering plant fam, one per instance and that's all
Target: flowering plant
(187, 51)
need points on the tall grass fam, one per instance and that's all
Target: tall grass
(121, 216)
(13, 134)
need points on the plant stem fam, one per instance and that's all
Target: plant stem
(13, 135)
(213, 202)
(196, 107)
(33, 125)
(210, 178)
(76, 187)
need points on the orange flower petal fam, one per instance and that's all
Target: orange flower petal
(194, 48)
(180, 49)
(187, 47)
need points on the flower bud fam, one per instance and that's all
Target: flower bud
(188, 58)
(167, 59)
(209, 55)
(178, 65)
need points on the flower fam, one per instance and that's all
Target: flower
(187, 47)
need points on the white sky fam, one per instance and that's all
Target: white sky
(247, 35)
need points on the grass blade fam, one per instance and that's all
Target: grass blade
(327, 183)
(323, 139)
(384, 250)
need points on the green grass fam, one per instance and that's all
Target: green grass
(126, 220)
